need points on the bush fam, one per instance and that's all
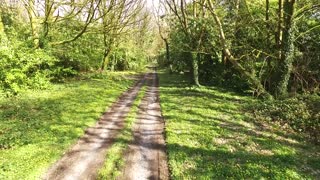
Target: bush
(302, 114)
(59, 73)
(21, 69)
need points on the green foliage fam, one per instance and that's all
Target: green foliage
(84, 54)
(209, 135)
(60, 74)
(132, 51)
(252, 36)
(22, 68)
(301, 114)
(66, 46)
(127, 57)
(306, 71)
(37, 127)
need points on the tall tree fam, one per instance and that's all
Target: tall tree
(163, 28)
(284, 68)
(44, 13)
(193, 30)
(251, 77)
(117, 17)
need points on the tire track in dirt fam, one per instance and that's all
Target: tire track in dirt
(85, 158)
(146, 157)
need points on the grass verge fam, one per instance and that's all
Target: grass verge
(114, 159)
(209, 135)
(37, 127)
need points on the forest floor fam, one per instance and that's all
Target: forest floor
(212, 134)
(204, 133)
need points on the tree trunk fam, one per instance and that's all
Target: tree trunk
(267, 12)
(168, 54)
(2, 33)
(3, 36)
(34, 25)
(105, 59)
(254, 81)
(167, 50)
(279, 33)
(48, 14)
(287, 50)
(268, 79)
(195, 55)
(195, 68)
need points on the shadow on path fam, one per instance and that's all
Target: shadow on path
(84, 159)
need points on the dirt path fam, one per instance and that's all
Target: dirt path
(84, 159)
(146, 158)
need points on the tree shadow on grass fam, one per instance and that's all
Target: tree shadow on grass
(37, 119)
(224, 141)
(221, 163)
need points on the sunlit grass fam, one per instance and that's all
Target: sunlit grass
(36, 128)
(209, 135)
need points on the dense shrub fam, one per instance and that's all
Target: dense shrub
(21, 68)
(127, 57)
(301, 113)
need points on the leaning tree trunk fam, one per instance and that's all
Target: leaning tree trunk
(284, 68)
(254, 81)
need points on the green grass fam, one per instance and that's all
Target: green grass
(115, 156)
(209, 135)
(36, 128)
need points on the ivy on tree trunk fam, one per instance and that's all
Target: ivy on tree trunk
(287, 50)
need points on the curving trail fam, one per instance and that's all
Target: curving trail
(146, 157)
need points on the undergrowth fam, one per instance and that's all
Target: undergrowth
(301, 114)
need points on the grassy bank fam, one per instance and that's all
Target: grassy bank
(37, 127)
(115, 156)
(210, 136)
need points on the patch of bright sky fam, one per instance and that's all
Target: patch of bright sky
(152, 3)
